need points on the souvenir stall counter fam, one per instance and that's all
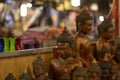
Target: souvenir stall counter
(18, 61)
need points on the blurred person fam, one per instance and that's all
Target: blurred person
(45, 15)
(54, 14)
(7, 17)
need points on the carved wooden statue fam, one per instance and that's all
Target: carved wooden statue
(39, 69)
(10, 77)
(25, 76)
(94, 72)
(83, 46)
(104, 54)
(105, 64)
(105, 32)
(65, 58)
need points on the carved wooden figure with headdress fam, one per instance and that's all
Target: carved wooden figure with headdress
(39, 69)
(94, 71)
(25, 76)
(105, 64)
(65, 58)
(10, 77)
(83, 46)
(79, 73)
(105, 32)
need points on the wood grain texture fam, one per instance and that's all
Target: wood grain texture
(17, 65)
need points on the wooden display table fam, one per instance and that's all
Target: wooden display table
(16, 62)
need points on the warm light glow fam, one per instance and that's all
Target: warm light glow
(110, 5)
(101, 18)
(75, 3)
(94, 7)
(1, 6)
(60, 7)
(23, 10)
(29, 5)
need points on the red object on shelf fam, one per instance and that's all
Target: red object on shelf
(18, 44)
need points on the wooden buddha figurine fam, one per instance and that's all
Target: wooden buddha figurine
(79, 73)
(106, 71)
(65, 58)
(104, 54)
(105, 65)
(94, 71)
(10, 77)
(39, 69)
(25, 76)
(105, 32)
(82, 42)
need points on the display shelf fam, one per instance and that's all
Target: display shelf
(26, 52)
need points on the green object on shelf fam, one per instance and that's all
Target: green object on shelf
(6, 44)
(12, 44)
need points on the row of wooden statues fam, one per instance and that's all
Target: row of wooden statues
(80, 59)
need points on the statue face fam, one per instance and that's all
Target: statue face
(86, 27)
(107, 57)
(38, 70)
(109, 34)
(64, 50)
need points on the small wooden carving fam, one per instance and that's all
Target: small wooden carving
(10, 77)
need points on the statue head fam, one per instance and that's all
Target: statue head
(105, 30)
(25, 76)
(106, 70)
(10, 77)
(79, 73)
(38, 67)
(104, 54)
(94, 72)
(84, 21)
(65, 43)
